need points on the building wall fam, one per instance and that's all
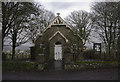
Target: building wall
(49, 44)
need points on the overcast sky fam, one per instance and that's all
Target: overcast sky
(65, 7)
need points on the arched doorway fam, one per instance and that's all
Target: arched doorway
(58, 51)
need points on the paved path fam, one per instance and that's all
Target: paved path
(103, 74)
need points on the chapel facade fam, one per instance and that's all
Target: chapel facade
(58, 42)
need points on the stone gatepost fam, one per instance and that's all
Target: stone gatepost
(68, 57)
(40, 58)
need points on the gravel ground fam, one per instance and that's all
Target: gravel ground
(97, 74)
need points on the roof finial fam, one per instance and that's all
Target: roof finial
(58, 14)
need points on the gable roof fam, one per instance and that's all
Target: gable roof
(58, 21)
(58, 32)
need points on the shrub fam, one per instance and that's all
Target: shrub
(89, 54)
(19, 66)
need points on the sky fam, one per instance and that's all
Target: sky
(65, 7)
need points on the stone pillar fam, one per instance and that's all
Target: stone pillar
(40, 58)
(32, 57)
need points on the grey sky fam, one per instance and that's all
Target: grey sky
(65, 7)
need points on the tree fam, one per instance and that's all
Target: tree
(105, 21)
(15, 16)
(38, 23)
(81, 23)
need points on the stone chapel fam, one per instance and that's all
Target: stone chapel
(58, 42)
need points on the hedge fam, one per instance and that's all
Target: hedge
(21, 66)
(91, 65)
